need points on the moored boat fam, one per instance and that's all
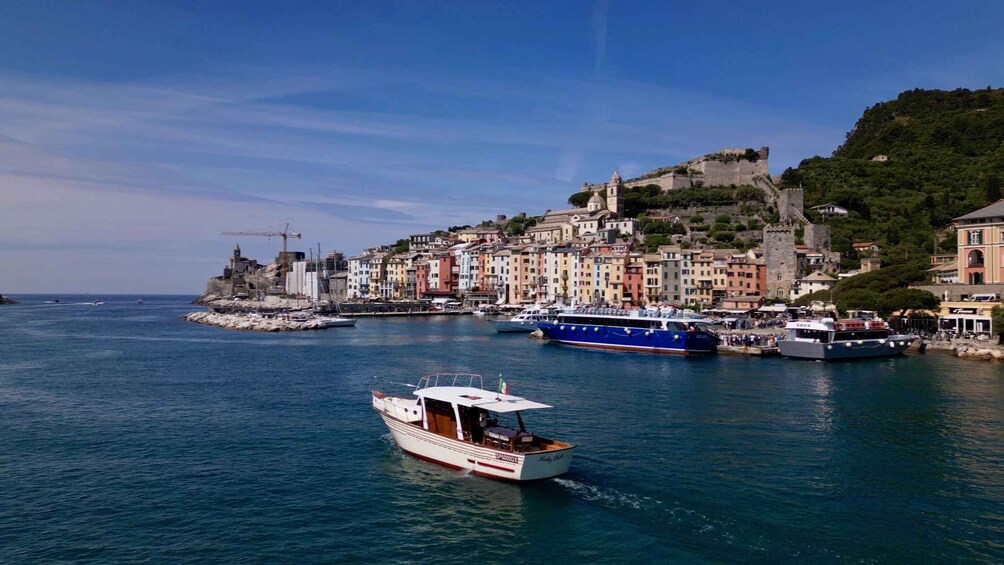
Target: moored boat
(829, 339)
(634, 330)
(336, 321)
(526, 321)
(453, 421)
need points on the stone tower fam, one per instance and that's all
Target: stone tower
(595, 203)
(615, 194)
(817, 237)
(782, 264)
(790, 204)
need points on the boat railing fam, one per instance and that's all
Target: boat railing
(451, 379)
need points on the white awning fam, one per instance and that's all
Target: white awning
(476, 397)
(773, 308)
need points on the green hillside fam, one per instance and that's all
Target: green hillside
(945, 155)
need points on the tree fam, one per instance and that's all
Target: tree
(858, 299)
(902, 299)
(580, 199)
(401, 246)
(997, 320)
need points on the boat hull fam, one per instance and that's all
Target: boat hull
(846, 350)
(462, 455)
(338, 322)
(509, 326)
(628, 339)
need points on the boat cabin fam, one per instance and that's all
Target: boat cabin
(640, 322)
(471, 414)
(827, 330)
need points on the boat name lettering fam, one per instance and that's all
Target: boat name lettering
(552, 458)
(507, 458)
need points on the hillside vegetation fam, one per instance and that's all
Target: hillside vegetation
(945, 155)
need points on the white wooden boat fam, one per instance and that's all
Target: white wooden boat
(453, 421)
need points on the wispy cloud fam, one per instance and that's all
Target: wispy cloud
(158, 163)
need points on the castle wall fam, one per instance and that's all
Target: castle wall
(723, 168)
(669, 181)
(817, 237)
(720, 173)
(790, 205)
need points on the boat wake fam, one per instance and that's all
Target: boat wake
(609, 497)
(21, 366)
(676, 518)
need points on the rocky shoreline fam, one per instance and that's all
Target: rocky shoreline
(249, 323)
(971, 350)
(5, 300)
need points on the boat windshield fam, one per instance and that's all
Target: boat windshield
(863, 334)
(472, 380)
(822, 336)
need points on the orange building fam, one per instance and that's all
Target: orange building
(746, 276)
(981, 245)
(634, 284)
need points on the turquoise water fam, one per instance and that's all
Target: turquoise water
(127, 435)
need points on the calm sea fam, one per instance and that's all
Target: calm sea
(128, 435)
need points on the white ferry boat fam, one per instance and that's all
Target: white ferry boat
(454, 422)
(829, 339)
(526, 321)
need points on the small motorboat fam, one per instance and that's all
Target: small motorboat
(453, 421)
(526, 321)
(336, 321)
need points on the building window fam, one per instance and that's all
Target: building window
(976, 237)
(975, 258)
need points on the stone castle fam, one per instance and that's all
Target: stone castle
(723, 168)
(786, 259)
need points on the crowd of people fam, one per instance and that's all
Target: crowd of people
(751, 340)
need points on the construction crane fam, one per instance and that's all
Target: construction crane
(284, 234)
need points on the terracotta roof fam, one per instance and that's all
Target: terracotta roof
(819, 276)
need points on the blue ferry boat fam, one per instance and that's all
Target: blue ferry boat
(635, 330)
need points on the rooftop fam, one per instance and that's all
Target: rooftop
(995, 210)
(476, 397)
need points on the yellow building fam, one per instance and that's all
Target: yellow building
(608, 278)
(703, 275)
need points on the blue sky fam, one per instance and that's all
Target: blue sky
(131, 134)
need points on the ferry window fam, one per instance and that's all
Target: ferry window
(818, 335)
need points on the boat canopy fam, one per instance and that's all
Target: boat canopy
(479, 398)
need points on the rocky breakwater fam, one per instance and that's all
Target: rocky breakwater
(984, 352)
(252, 323)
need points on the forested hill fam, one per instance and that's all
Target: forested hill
(945, 158)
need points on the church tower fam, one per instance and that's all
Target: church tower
(615, 194)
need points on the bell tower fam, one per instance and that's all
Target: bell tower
(615, 194)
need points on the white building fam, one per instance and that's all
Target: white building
(830, 210)
(812, 283)
(359, 277)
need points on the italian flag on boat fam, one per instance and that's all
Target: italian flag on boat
(503, 388)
